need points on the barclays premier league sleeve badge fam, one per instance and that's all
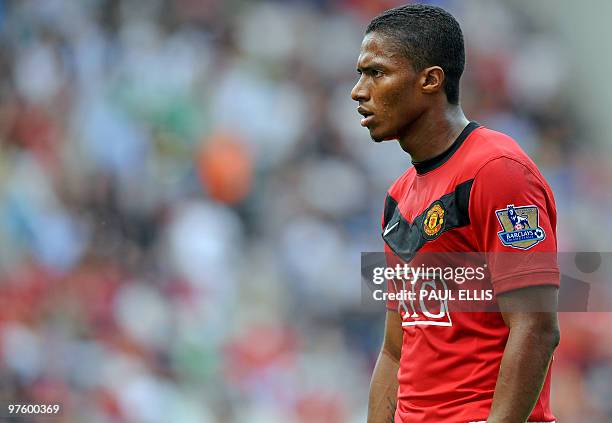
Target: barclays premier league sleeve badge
(520, 226)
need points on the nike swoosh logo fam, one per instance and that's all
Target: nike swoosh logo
(389, 229)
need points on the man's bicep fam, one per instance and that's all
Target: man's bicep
(534, 306)
(392, 342)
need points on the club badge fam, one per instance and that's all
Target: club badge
(434, 220)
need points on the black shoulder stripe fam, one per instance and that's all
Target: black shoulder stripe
(461, 204)
(390, 206)
(405, 238)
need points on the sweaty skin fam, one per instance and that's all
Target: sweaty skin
(402, 104)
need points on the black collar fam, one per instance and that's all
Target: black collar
(435, 162)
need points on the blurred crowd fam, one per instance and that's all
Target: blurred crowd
(185, 191)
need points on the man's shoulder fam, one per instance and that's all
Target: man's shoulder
(498, 160)
(488, 145)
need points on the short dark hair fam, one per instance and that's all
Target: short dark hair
(429, 36)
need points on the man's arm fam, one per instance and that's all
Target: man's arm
(383, 387)
(531, 315)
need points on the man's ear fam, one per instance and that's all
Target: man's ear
(432, 79)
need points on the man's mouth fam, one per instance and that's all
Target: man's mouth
(367, 116)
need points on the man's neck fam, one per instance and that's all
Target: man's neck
(433, 133)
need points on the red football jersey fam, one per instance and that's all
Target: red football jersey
(484, 194)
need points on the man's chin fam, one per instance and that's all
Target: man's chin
(379, 137)
(376, 137)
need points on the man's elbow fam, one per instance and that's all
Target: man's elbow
(392, 351)
(555, 335)
(549, 336)
(543, 333)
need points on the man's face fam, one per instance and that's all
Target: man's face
(387, 89)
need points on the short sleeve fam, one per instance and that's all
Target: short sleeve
(513, 216)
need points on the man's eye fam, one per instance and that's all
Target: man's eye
(377, 73)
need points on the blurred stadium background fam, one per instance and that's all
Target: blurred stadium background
(185, 191)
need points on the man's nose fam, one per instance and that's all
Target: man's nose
(359, 92)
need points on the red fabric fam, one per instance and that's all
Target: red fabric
(514, 180)
(448, 370)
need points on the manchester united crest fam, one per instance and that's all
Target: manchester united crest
(434, 220)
